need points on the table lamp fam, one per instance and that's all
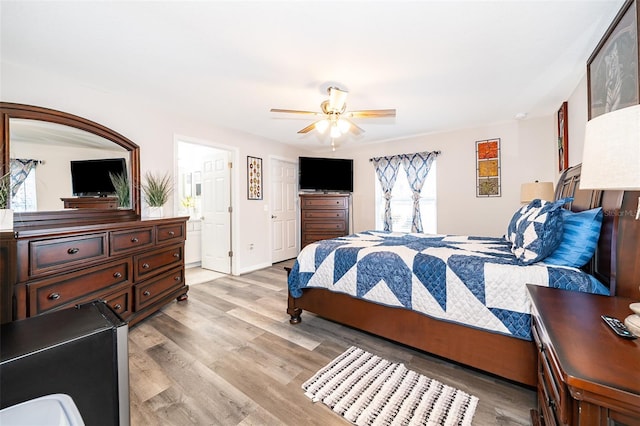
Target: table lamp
(611, 160)
(536, 190)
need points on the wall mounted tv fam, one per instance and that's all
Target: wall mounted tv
(90, 178)
(325, 174)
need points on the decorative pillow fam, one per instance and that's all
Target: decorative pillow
(579, 239)
(536, 230)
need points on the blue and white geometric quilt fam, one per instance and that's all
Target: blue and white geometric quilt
(476, 281)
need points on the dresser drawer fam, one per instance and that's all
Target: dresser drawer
(59, 253)
(121, 302)
(158, 261)
(546, 405)
(325, 225)
(51, 293)
(172, 232)
(324, 202)
(555, 404)
(130, 240)
(324, 214)
(149, 291)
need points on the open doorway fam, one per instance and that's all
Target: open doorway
(204, 193)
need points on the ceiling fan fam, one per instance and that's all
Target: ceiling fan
(335, 117)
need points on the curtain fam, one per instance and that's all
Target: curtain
(20, 169)
(417, 167)
(387, 171)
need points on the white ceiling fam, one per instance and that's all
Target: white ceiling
(443, 65)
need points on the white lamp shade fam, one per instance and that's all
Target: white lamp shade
(536, 190)
(335, 131)
(322, 126)
(611, 158)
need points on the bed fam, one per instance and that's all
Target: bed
(477, 316)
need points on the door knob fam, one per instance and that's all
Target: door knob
(273, 217)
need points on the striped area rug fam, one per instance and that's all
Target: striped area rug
(368, 390)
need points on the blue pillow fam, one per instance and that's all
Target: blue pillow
(579, 239)
(515, 219)
(536, 230)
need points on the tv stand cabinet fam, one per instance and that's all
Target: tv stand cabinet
(135, 266)
(323, 216)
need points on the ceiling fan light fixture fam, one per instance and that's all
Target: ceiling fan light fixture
(343, 125)
(334, 118)
(322, 126)
(335, 131)
(337, 99)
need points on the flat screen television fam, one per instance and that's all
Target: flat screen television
(325, 174)
(90, 178)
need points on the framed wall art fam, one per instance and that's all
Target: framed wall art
(488, 168)
(563, 137)
(254, 178)
(612, 69)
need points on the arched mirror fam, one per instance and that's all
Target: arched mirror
(64, 169)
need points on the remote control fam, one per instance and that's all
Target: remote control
(618, 327)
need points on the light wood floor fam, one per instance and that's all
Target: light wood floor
(228, 356)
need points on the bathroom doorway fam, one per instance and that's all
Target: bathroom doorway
(204, 193)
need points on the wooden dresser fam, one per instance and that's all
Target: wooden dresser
(323, 216)
(135, 266)
(587, 375)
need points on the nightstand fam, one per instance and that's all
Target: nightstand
(587, 375)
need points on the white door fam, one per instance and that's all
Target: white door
(284, 214)
(216, 212)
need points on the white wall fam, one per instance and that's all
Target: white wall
(577, 115)
(153, 127)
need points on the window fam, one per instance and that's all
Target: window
(25, 199)
(402, 203)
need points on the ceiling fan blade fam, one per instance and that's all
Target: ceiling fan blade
(309, 128)
(337, 99)
(294, 111)
(372, 113)
(355, 129)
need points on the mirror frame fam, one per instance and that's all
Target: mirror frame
(72, 216)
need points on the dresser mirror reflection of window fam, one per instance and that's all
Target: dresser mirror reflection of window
(41, 156)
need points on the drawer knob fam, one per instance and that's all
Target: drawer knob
(54, 296)
(145, 265)
(171, 233)
(176, 254)
(146, 293)
(177, 278)
(117, 275)
(73, 250)
(117, 307)
(134, 240)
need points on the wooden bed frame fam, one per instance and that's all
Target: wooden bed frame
(616, 264)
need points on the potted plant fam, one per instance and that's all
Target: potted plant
(156, 190)
(121, 185)
(6, 214)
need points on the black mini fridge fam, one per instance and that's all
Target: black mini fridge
(81, 352)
